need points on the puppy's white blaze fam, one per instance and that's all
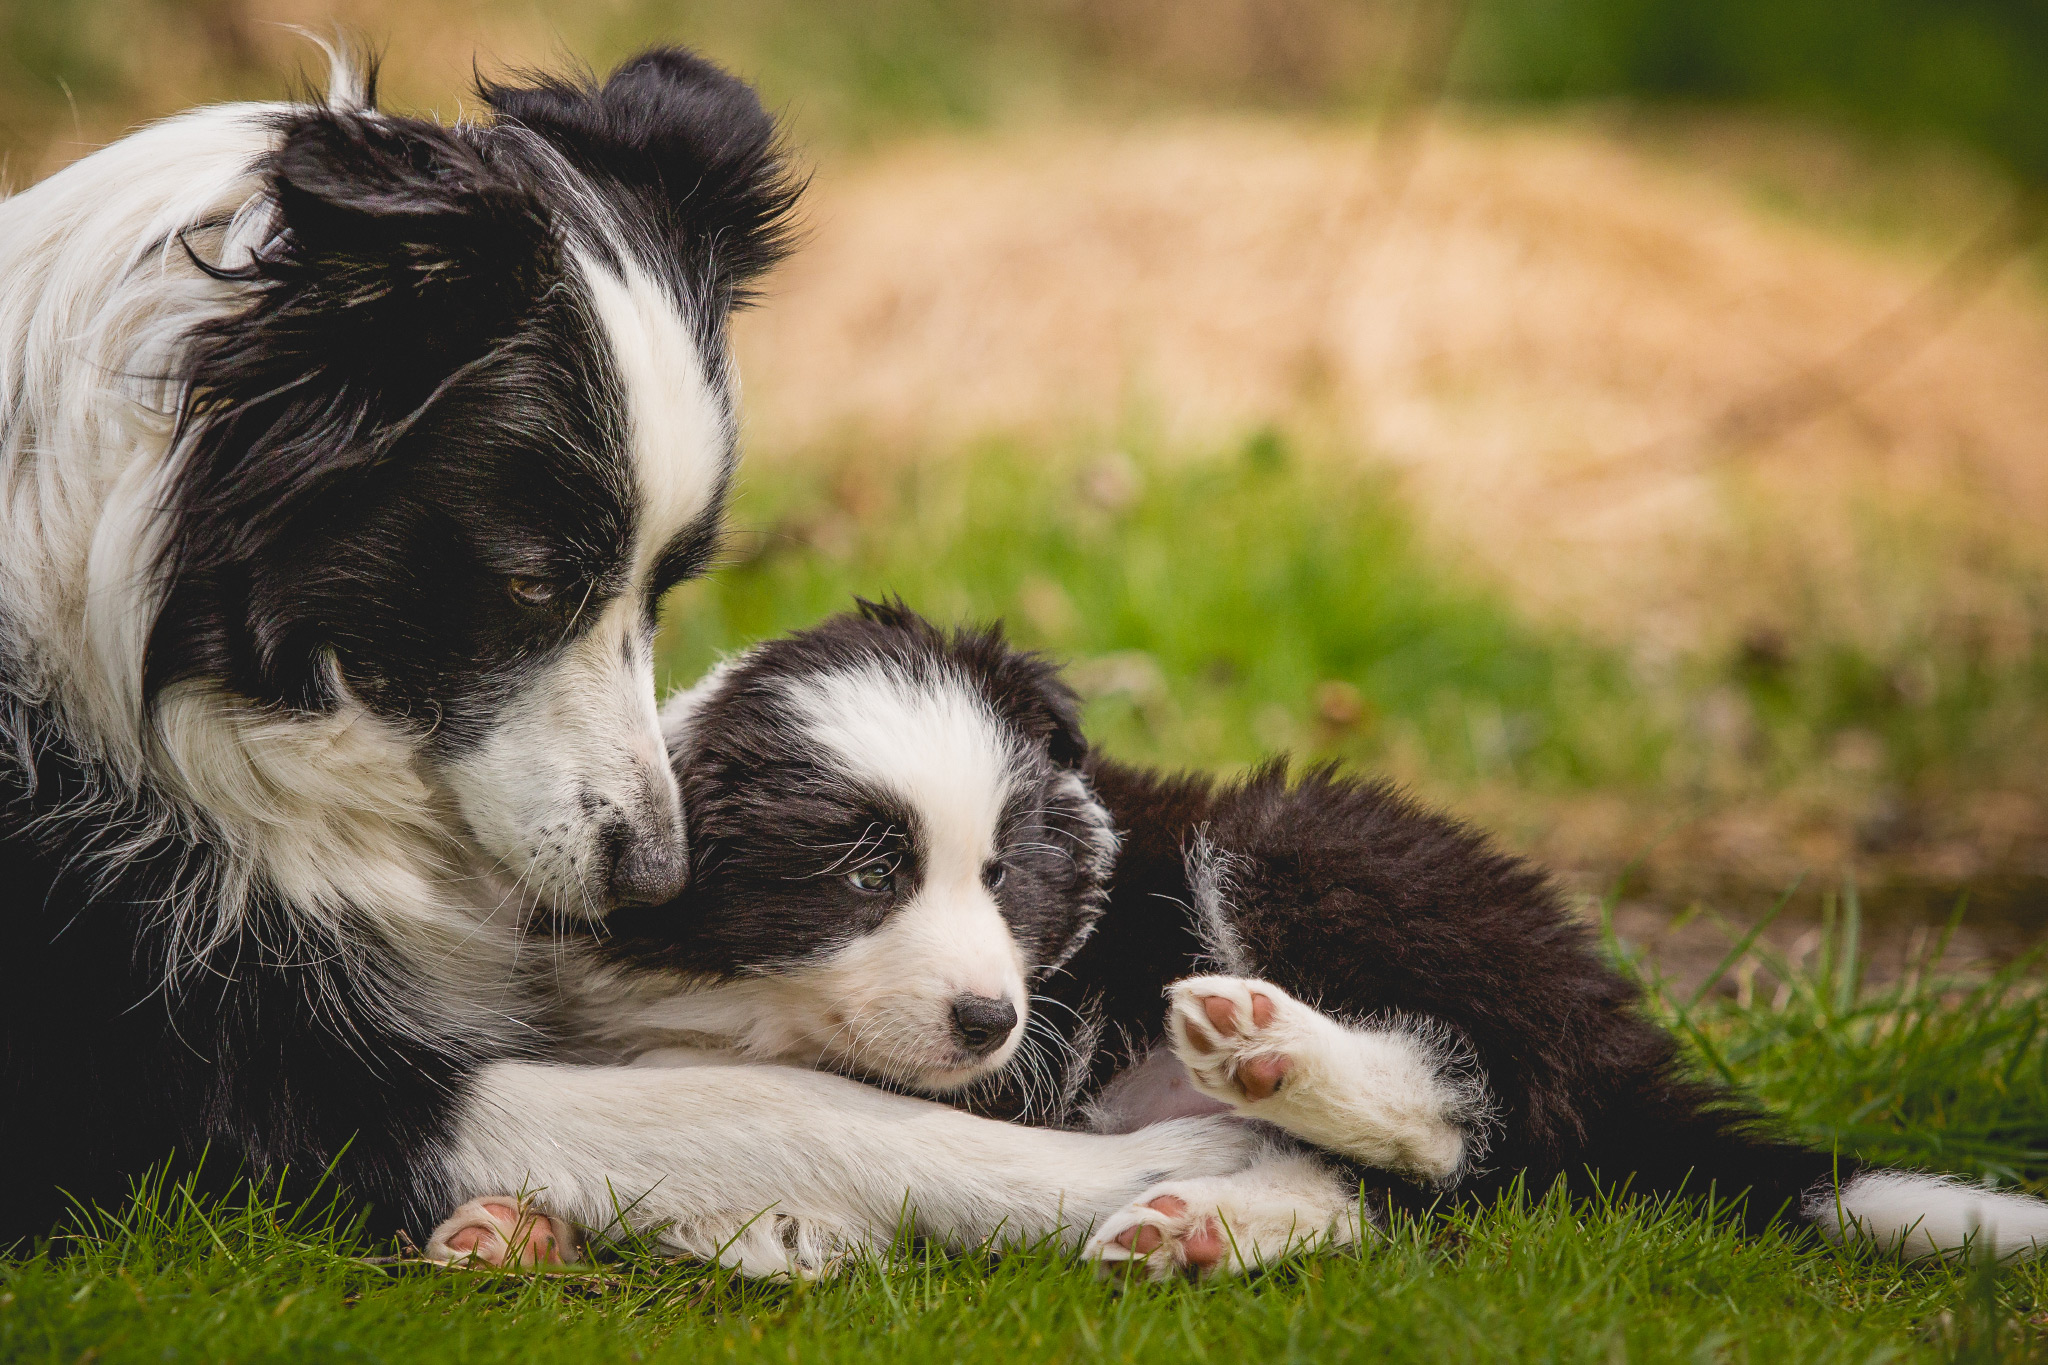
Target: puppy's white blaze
(932, 743)
(679, 425)
(1930, 1215)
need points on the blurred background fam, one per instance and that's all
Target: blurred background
(1624, 421)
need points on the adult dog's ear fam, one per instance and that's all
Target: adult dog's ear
(402, 232)
(350, 180)
(403, 255)
(687, 140)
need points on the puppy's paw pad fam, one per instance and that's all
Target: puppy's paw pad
(1159, 1238)
(498, 1230)
(1231, 1034)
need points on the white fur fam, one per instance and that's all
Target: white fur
(585, 728)
(1930, 1215)
(96, 299)
(783, 1171)
(679, 424)
(1284, 1203)
(1209, 873)
(1391, 1094)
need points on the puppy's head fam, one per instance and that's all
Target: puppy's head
(473, 419)
(893, 844)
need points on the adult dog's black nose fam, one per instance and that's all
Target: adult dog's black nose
(981, 1024)
(648, 866)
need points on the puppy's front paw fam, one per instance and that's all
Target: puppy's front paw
(1160, 1236)
(502, 1230)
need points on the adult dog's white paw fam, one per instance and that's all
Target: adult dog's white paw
(1230, 1224)
(1387, 1095)
(502, 1230)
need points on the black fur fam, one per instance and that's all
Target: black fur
(408, 411)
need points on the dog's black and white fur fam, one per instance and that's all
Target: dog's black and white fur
(903, 871)
(343, 459)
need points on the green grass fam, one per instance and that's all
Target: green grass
(1928, 1070)
(1220, 606)
(1217, 609)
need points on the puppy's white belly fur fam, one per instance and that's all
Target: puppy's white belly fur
(781, 1170)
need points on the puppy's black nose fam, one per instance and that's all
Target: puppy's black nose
(981, 1024)
(648, 867)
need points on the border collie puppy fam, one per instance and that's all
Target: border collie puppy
(343, 459)
(903, 859)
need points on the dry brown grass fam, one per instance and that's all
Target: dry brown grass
(1579, 352)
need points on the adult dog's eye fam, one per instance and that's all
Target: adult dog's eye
(531, 592)
(992, 875)
(873, 877)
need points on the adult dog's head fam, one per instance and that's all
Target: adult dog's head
(895, 844)
(450, 410)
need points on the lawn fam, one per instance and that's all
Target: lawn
(1217, 605)
(1927, 1070)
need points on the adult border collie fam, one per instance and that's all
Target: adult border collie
(343, 460)
(903, 870)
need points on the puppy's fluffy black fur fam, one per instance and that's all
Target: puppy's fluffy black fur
(1347, 894)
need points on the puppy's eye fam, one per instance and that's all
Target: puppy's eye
(873, 877)
(531, 592)
(992, 875)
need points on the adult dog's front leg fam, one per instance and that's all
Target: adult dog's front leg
(779, 1170)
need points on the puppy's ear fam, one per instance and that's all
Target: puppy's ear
(1027, 691)
(689, 142)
